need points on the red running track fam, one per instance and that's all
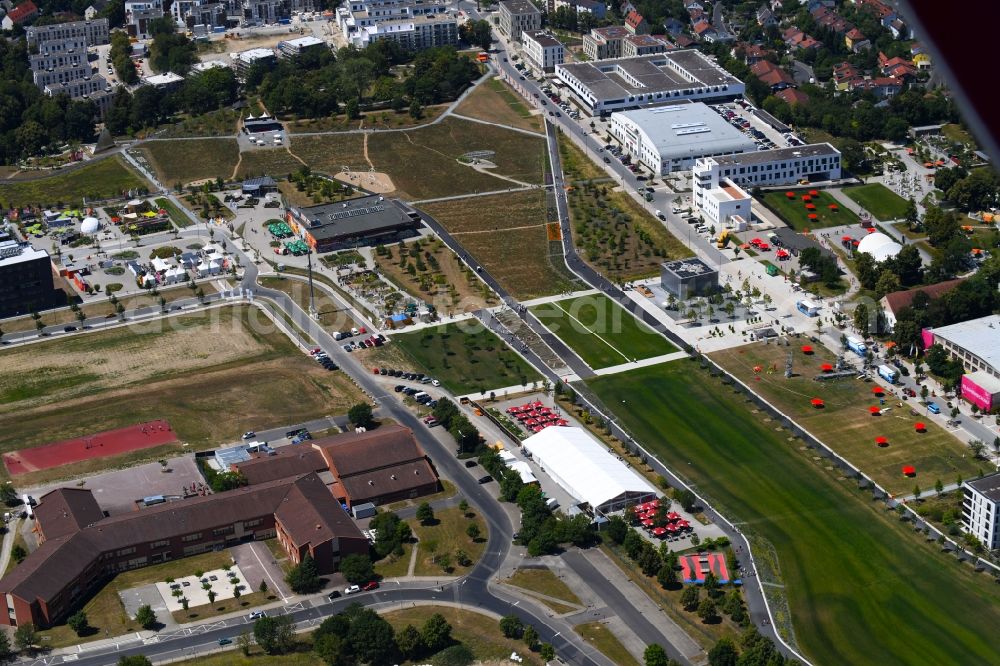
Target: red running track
(99, 445)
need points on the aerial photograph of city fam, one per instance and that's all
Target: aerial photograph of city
(541, 332)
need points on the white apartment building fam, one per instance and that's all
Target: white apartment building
(605, 43)
(95, 32)
(139, 14)
(980, 510)
(355, 15)
(291, 48)
(517, 17)
(666, 139)
(782, 166)
(542, 51)
(720, 200)
(413, 34)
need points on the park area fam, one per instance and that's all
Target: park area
(187, 160)
(845, 422)
(495, 102)
(102, 179)
(211, 375)
(861, 587)
(508, 236)
(465, 358)
(600, 331)
(879, 200)
(795, 210)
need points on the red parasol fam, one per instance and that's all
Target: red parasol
(806, 349)
(870, 230)
(846, 239)
(781, 254)
(826, 367)
(919, 427)
(810, 206)
(833, 207)
(813, 193)
(813, 216)
(882, 441)
(874, 410)
(909, 470)
(878, 390)
(816, 402)
(790, 195)
(806, 197)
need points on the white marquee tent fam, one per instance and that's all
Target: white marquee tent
(587, 470)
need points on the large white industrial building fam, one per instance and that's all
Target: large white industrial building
(670, 138)
(587, 470)
(603, 86)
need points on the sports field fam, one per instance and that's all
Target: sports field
(861, 587)
(845, 424)
(212, 375)
(600, 331)
(878, 200)
(794, 211)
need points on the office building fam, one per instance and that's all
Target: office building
(685, 278)
(412, 34)
(26, 280)
(981, 509)
(139, 14)
(358, 21)
(542, 51)
(976, 343)
(718, 198)
(665, 139)
(603, 86)
(351, 223)
(517, 17)
(782, 166)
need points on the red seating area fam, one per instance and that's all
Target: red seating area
(666, 525)
(536, 417)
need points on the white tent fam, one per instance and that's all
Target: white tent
(524, 471)
(879, 246)
(587, 470)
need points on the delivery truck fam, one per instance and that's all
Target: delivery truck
(888, 373)
(857, 346)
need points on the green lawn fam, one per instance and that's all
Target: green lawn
(465, 360)
(186, 160)
(103, 179)
(445, 536)
(331, 152)
(878, 200)
(177, 216)
(862, 588)
(794, 212)
(600, 331)
(598, 635)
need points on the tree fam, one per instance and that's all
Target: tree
(237, 592)
(244, 642)
(655, 655)
(18, 553)
(938, 486)
(861, 318)
(304, 577)
(887, 283)
(410, 642)
(357, 568)
(263, 587)
(211, 596)
(472, 531)
(690, 597)
(666, 576)
(6, 651)
(511, 626)
(274, 634)
(707, 610)
(977, 447)
(425, 514)
(711, 584)
(436, 633)
(723, 653)
(78, 623)
(371, 638)
(531, 637)
(25, 637)
(134, 660)
(145, 616)
(360, 415)
(616, 529)
(332, 649)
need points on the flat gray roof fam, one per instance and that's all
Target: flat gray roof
(542, 37)
(989, 486)
(354, 217)
(520, 7)
(685, 130)
(673, 70)
(979, 336)
(688, 268)
(765, 156)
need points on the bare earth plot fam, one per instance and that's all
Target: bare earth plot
(506, 233)
(183, 161)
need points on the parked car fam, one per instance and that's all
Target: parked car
(256, 615)
(371, 585)
(933, 408)
(352, 589)
(484, 479)
(225, 641)
(471, 463)
(249, 434)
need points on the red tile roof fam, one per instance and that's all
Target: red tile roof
(898, 300)
(792, 96)
(633, 19)
(22, 12)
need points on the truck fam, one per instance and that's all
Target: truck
(723, 238)
(888, 373)
(808, 308)
(857, 346)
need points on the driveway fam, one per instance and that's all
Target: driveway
(257, 563)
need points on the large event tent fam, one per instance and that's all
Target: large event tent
(587, 470)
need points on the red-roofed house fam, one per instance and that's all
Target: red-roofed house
(796, 39)
(899, 68)
(882, 87)
(832, 20)
(792, 96)
(684, 42)
(636, 24)
(892, 303)
(704, 31)
(856, 40)
(23, 12)
(844, 75)
(750, 53)
(772, 75)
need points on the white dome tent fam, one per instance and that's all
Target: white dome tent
(90, 225)
(879, 246)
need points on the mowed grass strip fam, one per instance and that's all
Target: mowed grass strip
(103, 179)
(600, 331)
(496, 102)
(186, 160)
(423, 163)
(861, 587)
(845, 424)
(274, 162)
(598, 635)
(506, 234)
(465, 357)
(445, 535)
(878, 200)
(330, 153)
(795, 213)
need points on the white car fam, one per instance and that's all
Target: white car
(256, 615)
(352, 589)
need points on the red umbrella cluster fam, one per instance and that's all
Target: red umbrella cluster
(781, 254)
(536, 417)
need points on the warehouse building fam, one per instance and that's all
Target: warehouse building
(665, 139)
(585, 469)
(603, 86)
(685, 278)
(352, 223)
(782, 166)
(976, 343)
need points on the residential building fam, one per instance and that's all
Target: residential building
(604, 43)
(209, 13)
(673, 27)
(359, 14)
(517, 17)
(542, 51)
(845, 75)
(26, 280)
(856, 41)
(751, 54)
(139, 14)
(685, 278)
(81, 549)
(792, 96)
(976, 343)
(636, 24)
(596, 9)
(796, 39)
(604, 86)
(828, 18)
(775, 77)
(95, 32)
(667, 139)
(981, 509)
(882, 87)
(413, 34)
(893, 303)
(22, 13)
(244, 60)
(291, 48)
(640, 45)
(782, 166)
(766, 18)
(720, 200)
(165, 81)
(351, 223)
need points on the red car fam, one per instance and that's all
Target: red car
(368, 587)
(376, 371)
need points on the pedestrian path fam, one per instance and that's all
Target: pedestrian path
(559, 297)
(642, 363)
